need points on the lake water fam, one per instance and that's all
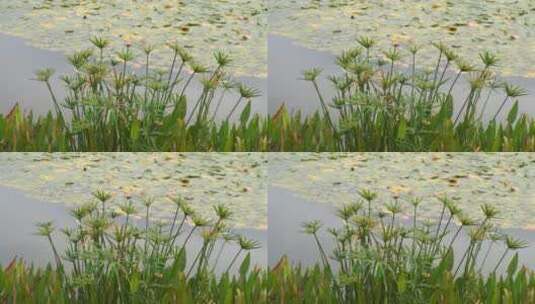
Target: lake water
(504, 180)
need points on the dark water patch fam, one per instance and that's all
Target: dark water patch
(19, 61)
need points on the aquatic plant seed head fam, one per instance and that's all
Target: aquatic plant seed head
(311, 227)
(393, 207)
(415, 201)
(126, 55)
(222, 58)
(128, 208)
(102, 196)
(515, 244)
(248, 92)
(366, 42)
(393, 54)
(368, 195)
(414, 48)
(222, 211)
(44, 75)
(464, 66)
(148, 48)
(45, 228)
(311, 74)
(514, 91)
(489, 59)
(99, 42)
(489, 211)
(79, 59)
(198, 68)
(247, 244)
(199, 221)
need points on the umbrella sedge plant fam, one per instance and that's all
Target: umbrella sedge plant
(384, 102)
(112, 106)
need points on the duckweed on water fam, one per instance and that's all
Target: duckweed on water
(469, 26)
(202, 179)
(237, 26)
(506, 179)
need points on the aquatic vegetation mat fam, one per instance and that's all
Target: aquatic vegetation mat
(506, 27)
(202, 179)
(238, 26)
(504, 180)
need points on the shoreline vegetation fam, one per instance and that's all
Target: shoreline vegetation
(378, 257)
(117, 253)
(110, 106)
(378, 106)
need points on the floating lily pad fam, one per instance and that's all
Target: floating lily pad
(67, 26)
(70, 178)
(505, 180)
(506, 27)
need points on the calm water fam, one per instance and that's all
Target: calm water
(287, 60)
(20, 213)
(19, 61)
(287, 212)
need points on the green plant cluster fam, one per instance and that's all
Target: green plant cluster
(380, 105)
(114, 257)
(112, 106)
(381, 257)
(378, 256)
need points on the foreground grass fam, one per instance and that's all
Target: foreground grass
(113, 106)
(378, 106)
(378, 257)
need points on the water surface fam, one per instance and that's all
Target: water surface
(203, 179)
(504, 180)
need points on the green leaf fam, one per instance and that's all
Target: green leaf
(244, 117)
(445, 264)
(513, 113)
(513, 265)
(244, 267)
(135, 130)
(402, 129)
